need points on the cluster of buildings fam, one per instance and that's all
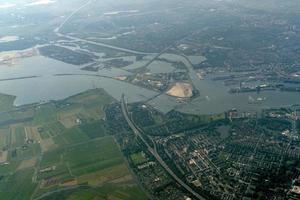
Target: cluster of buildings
(231, 167)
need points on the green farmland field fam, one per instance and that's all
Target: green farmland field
(51, 146)
(6, 102)
(18, 186)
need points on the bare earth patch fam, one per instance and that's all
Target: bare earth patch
(3, 156)
(69, 121)
(47, 144)
(69, 183)
(11, 56)
(123, 179)
(181, 90)
(69, 118)
(27, 163)
(32, 133)
(119, 173)
(121, 78)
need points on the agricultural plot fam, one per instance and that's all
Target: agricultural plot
(107, 191)
(29, 163)
(58, 172)
(115, 174)
(3, 156)
(18, 186)
(69, 117)
(76, 115)
(94, 129)
(9, 168)
(91, 98)
(92, 162)
(92, 156)
(18, 136)
(33, 133)
(4, 137)
(70, 136)
(15, 117)
(28, 151)
(60, 144)
(84, 107)
(81, 133)
(51, 158)
(45, 113)
(51, 129)
(84, 154)
(6, 102)
(47, 144)
(92, 113)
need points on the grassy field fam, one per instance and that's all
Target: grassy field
(6, 102)
(105, 192)
(83, 158)
(29, 151)
(17, 136)
(63, 143)
(91, 98)
(68, 116)
(113, 173)
(92, 156)
(94, 129)
(18, 186)
(51, 129)
(92, 162)
(16, 116)
(4, 137)
(52, 157)
(45, 113)
(70, 136)
(11, 168)
(87, 107)
(138, 158)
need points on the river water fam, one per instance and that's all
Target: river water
(214, 96)
(50, 87)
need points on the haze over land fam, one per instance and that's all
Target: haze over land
(149, 99)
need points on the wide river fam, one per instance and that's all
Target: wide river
(47, 86)
(214, 96)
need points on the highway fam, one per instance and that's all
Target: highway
(57, 31)
(107, 45)
(138, 133)
(134, 128)
(71, 15)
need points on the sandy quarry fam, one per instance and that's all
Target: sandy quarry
(181, 90)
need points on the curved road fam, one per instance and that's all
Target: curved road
(137, 132)
(58, 33)
(134, 128)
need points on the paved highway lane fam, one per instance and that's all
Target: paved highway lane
(137, 132)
